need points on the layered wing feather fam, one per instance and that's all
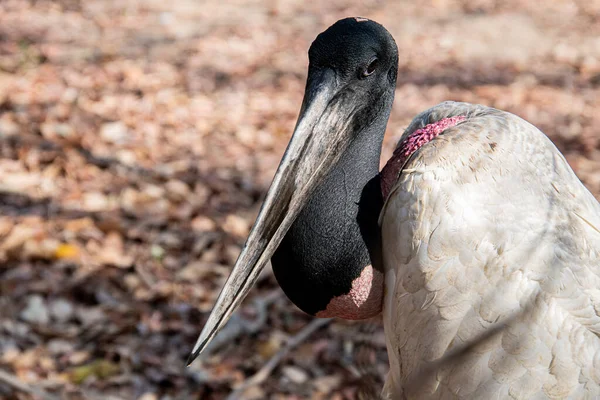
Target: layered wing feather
(491, 250)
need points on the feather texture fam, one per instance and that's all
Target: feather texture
(490, 249)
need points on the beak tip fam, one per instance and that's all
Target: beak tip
(198, 348)
(191, 358)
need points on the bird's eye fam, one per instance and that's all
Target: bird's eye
(371, 67)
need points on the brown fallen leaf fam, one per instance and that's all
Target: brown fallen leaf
(236, 226)
(112, 251)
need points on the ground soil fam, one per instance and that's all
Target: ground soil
(137, 139)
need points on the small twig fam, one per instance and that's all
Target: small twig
(238, 326)
(262, 304)
(19, 385)
(148, 280)
(266, 370)
(89, 395)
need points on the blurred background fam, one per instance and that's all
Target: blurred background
(138, 137)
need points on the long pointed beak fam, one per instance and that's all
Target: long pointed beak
(320, 137)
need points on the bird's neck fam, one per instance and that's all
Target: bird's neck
(329, 244)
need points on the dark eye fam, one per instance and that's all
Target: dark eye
(373, 64)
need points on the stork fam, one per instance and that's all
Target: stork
(477, 241)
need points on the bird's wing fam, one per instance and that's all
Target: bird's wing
(491, 250)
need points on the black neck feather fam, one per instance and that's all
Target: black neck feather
(336, 235)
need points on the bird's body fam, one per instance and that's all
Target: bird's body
(491, 256)
(485, 259)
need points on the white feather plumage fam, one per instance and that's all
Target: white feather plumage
(490, 246)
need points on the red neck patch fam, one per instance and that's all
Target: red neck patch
(364, 300)
(414, 141)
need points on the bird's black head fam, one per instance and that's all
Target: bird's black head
(319, 218)
(361, 52)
